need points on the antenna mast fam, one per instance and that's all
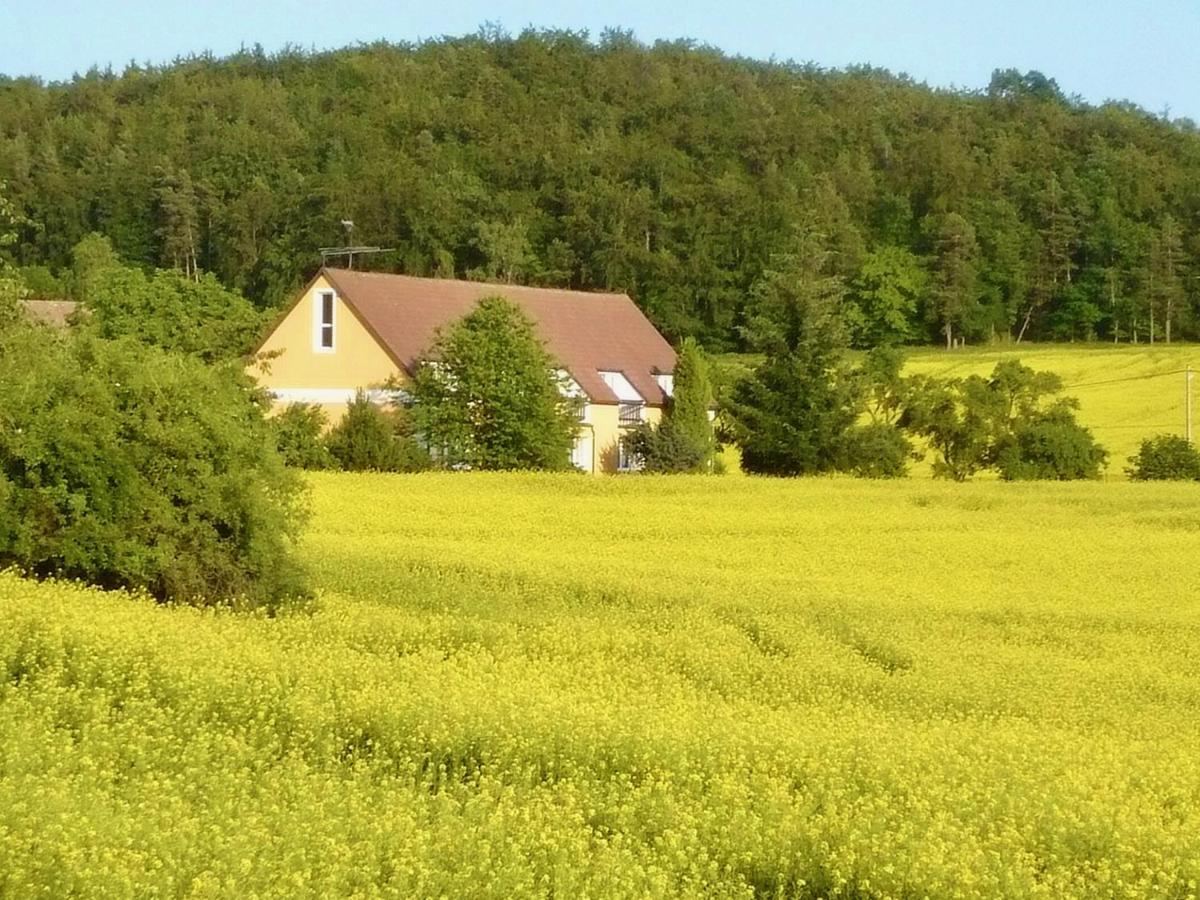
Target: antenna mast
(350, 250)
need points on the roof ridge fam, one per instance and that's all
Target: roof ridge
(620, 295)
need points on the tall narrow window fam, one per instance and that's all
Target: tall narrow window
(325, 320)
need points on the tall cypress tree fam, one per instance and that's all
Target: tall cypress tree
(692, 400)
(683, 441)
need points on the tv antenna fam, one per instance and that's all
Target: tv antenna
(350, 250)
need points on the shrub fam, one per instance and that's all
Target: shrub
(1165, 457)
(875, 450)
(299, 430)
(125, 466)
(368, 439)
(665, 448)
(1052, 448)
(42, 284)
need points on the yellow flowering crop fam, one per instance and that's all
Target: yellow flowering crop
(523, 685)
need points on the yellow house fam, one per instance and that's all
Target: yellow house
(350, 330)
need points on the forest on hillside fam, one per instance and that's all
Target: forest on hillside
(672, 171)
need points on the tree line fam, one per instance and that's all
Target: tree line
(673, 172)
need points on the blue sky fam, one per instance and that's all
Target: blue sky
(1145, 52)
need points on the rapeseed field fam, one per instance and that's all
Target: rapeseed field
(523, 685)
(1126, 393)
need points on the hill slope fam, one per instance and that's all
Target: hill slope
(672, 172)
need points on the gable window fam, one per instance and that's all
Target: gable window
(324, 322)
(630, 402)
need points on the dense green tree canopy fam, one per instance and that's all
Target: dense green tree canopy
(12, 288)
(169, 310)
(669, 171)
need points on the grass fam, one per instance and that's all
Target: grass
(534, 685)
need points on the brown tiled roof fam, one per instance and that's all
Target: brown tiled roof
(586, 332)
(50, 312)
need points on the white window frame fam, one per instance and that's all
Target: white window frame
(319, 321)
(626, 461)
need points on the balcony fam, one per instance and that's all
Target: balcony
(630, 413)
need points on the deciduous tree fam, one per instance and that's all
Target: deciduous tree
(491, 397)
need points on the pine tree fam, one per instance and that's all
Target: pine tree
(1167, 262)
(178, 229)
(954, 273)
(790, 414)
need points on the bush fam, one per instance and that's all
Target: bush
(42, 284)
(298, 436)
(1054, 449)
(875, 450)
(666, 448)
(1165, 457)
(171, 311)
(128, 467)
(367, 439)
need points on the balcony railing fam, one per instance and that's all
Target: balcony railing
(630, 413)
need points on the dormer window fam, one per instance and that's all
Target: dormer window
(323, 321)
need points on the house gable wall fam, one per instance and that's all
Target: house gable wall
(303, 372)
(604, 421)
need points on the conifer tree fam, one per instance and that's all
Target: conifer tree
(683, 441)
(789, 415)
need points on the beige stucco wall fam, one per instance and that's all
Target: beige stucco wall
(604, 421)
(356, 360)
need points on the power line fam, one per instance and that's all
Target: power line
(1127, 378)
(1132, 426)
